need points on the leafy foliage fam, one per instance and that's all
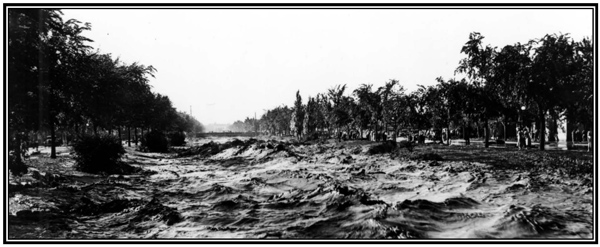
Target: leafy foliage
(311, 116)
(99, 154)
(155, 141)
(57, 82)
(177, 138)
(384, 147)
(15, 165)
(552, 75)
(297, 122)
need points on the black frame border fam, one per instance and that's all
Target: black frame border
(266, 6)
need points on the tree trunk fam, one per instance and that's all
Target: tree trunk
(487, 134)
(448, 129)
(37, 140)
(18, 157)
(52, 140)
(467, 134)
(63, 135)
(119, 133)
(385, 131)
(504, 125)
(395, 135)
(448, 135)
(128, 136)
(542, 130)
(136, 135)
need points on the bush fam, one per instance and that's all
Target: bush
(99, 154)
(17, 146)
(425, 155)
(15, 166)
(406, 144)
(311, 137)
(385, 147)
(155, 141)
(177, 138)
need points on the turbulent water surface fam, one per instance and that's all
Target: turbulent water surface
(273, 189)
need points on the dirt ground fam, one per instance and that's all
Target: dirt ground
(265, 188)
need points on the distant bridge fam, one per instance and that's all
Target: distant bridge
(227, 134)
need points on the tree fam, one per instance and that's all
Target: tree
(186, 123)
(297, 120)
(310, 118)
(580, 99)
(421, 108)
(137, 94)
(436, 105)
(42, 52)
(386, 93)
(395, 106)
(57, 84)
(339, 109)
(553, 68)
(362, 114)
(369, 108)
(512, 68)
(323, 113)
(457, 99)
(478, 66)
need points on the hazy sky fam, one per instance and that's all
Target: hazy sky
(231, 64)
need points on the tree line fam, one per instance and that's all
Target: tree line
(525, 83)
(57, 83)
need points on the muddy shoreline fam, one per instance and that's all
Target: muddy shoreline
(275, 189)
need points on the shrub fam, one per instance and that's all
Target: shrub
(406, 144)
(425, 155)
(99, 154)
(311, 136)
(177, 138)
(17, 146)
(15, 166)
(385, 147)
(155, 141)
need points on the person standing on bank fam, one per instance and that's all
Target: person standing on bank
(527, 137)
(590, 140)
(519, 134)
(523, 134)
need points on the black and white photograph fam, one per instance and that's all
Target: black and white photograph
(291, 123)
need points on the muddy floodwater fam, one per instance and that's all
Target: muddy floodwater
(274, 189)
